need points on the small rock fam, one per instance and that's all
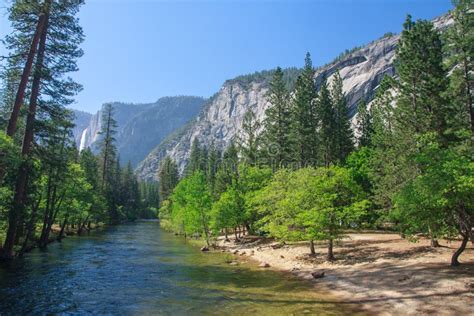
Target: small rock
(295, 269)
(318, 275)
(205, 248)
(281, 256)
(277, 245)
(242, 253)
(264, 265)
(235, 252)
(233, 263)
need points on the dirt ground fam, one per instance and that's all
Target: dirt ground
(384, 273)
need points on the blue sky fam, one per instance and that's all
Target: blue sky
(140, 50)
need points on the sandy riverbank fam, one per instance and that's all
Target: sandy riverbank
(385, 273)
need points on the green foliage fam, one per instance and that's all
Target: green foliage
(439, 202)
(190, 205)
(228, 211)
(314, 204)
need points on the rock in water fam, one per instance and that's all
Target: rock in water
(205, 248)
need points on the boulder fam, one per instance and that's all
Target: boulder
(318, 274)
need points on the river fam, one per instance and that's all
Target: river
(139, 269)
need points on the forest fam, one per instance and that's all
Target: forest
(48, 188)
(309, 172)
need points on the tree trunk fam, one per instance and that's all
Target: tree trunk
(248, 228)
(434, 243)
(30, 228)
(454, 258)
(61, 233)
(19, 199)
(20, 95)
(235, 233)
(311, 247)
(330, 251)
(226, 236)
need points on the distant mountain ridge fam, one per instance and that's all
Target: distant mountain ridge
(141, 127)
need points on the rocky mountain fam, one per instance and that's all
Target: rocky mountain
(361, 69)
(141, 127)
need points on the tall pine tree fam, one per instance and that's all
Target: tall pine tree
(305, 119)
(277, 138)
(343, 132)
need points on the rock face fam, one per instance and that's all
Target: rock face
(141, 127)
(221, 118)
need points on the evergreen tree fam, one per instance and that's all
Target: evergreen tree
(277, 137)
(327, 131)
(460, 50)
(51, 89)
(108, 151)
(421, 107)
(110, 166)
(365, 128)
(195, 158)
(168, 177)
(305, 119)
(213, 164)
(90, 165)
(249, 141)
(228, 171)
(343, 131)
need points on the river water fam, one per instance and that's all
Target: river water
(138, 269)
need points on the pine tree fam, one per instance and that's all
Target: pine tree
(343, 131)
(51, 88)
(305, 119)
(108, 151)
(460, 50)
(195, 158)
(90, 165)
(277, 137)
(213, 164)
(249, 140)
(228, 171)
(421, 107)
(365, 128)
(168, 177)
(327, 131)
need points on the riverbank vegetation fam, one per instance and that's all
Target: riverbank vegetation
(302, 174)
(45, 181)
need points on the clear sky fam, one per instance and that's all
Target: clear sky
(140, 50)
